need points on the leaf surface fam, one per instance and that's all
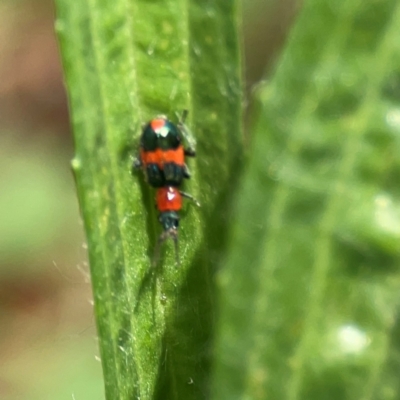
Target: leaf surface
(125, 62)
(311, 286)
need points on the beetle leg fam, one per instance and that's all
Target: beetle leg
(190, 197)
(187, 135)
(190, 152)
(137, 163)
(186, 172)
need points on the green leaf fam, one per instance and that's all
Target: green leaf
(311, 287)
(125, 62)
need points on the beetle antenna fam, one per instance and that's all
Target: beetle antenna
(176, 245)
(183, 116)
(173, 234)
(160, 241)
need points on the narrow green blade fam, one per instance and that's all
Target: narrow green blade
(125, 62)
(310, 291)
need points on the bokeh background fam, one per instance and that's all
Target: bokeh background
(48, 347)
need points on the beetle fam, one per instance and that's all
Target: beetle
(162, 159)
(162, 153)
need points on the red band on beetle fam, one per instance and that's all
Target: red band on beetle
(157, 124)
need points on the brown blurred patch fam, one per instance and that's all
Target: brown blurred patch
(32, 95)
(266, 27)
(265, 32)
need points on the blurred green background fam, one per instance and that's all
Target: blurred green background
(47, 335)
(48, 346)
